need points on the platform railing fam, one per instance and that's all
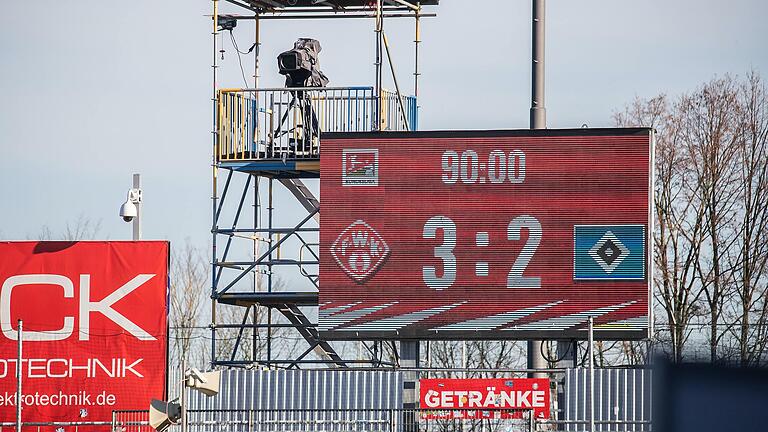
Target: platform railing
(281, 123)
(392, 114)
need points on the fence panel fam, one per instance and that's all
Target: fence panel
(622, 399)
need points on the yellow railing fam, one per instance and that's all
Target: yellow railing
(287, 123)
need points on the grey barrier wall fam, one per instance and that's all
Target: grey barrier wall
(297, 400)
(303, 390)
(622, 399)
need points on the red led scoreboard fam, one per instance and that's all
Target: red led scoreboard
(486, 234)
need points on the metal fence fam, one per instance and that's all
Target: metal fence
(282, 398)
(337, 420)
(84, 426)
(358, 400)
(335, 400)
(131, 421)
(366, 420)
(622, 400)
(280, 123)
(306, 420)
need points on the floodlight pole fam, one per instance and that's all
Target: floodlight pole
(538, 121)
(538, 112)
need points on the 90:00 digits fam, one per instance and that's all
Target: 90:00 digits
(499, 168)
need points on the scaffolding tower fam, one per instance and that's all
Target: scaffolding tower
(261, 145)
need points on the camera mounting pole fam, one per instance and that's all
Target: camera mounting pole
(137, 219)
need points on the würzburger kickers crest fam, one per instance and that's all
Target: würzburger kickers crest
(360, 251)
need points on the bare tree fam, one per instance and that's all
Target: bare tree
(750, 259)
(711, 215)
(710, 130)
(678, 221)
(490, 354)
(634, 353)
(189, 280)
(82, 228)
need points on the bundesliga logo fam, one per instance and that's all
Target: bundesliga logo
(360, 167)
(360, 251)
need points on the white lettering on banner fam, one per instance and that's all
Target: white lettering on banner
(103, 306)
(513, 399)
(48, 368)
(431, 399)
(39, 279)
(32, 367)
(69, 368)
(446, 398)
(80, 398)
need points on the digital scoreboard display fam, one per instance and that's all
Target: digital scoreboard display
(486, 234)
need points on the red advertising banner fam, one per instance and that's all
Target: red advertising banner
(479, 398)
(94, 328)
(486, 234)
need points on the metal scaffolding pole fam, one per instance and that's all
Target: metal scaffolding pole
(410, 356)
(215, 169)
(270, 210)
(250, 112)
(394, 79)
(416, 42)
(378, 64)
(19, 338)
(591, 351)
(538, 121)
(256, 333)
(256, 47)
(139, 210)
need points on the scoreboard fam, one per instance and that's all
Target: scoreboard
(514, 234)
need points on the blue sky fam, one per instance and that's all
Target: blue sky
(94, 91)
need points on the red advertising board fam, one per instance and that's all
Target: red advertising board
(94, 319)
(494, 234)
(479, 398)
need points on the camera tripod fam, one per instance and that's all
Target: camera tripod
(306, 132)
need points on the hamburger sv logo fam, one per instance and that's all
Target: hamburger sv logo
(360, 251)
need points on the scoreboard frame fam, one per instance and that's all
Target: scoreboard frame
(341, 320)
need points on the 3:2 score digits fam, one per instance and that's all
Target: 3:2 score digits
(445, 252)
(497, 169)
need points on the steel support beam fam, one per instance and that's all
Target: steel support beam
(538, 121)
(409, 358)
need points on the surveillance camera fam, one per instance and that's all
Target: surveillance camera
(128, 211)
(198, 375)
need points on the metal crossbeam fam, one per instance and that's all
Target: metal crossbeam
(260, 260)
(322, 348)
(304, 195)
